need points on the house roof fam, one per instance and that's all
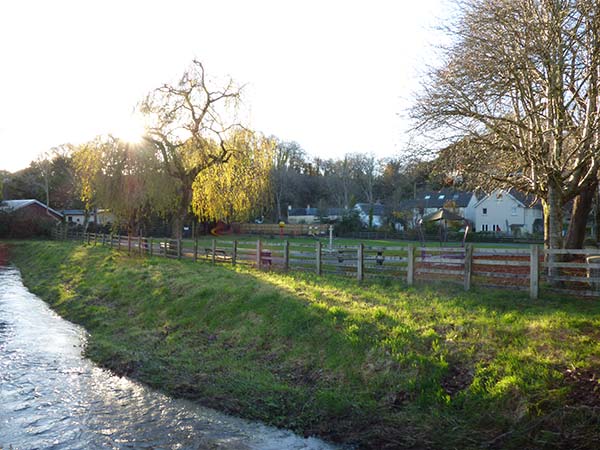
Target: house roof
(316, 211)
(14, 205)
(336, 211)
(526, 200)
(303, 212)
(73, 212)
(438, 199)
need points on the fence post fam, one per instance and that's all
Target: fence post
(195, 248)
(213, 251)
(410, 268)
(110, 245)
(286, 255)
(360, 262)
(468, 265)
(151, 243)
(318, 254)
(534, 272)
(178, 248)
(128, 244)
(258, 253)
(119, 242)
(234, 253)
(89, 238)
(95, 239)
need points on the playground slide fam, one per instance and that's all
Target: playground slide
(220, 229)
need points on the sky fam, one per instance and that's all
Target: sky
(335, 76)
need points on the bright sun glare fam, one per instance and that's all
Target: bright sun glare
(130, 130)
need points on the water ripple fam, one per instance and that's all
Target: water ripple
(53, 398)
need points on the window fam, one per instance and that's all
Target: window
(484, 211)
(427, 197)
(513, 211)
(69, 218)
(484, 227)
(455, 196)
(441, 197)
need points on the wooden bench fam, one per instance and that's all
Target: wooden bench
(220, 254)
(166, 247)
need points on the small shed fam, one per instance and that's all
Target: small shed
(27, 217)
(30, 208)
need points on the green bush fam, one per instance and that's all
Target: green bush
(350, 223)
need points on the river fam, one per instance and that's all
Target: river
(51, 397)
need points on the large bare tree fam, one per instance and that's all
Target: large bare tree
(517, 96)
(188, 124)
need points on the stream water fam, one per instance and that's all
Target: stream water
(51, 397)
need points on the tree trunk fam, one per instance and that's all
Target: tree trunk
(582, 205)
(278, 204)
(597, 217)
(546, 211)
(182, 213)
(177, 230)
(554, 237)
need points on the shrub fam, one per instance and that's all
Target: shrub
(350, 222)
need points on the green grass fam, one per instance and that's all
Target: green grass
(379, 365)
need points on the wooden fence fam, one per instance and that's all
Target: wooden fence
(289, 229)
(575, 272)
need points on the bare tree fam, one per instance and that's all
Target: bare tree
(364, 172)
(517, 97)
(188, 126)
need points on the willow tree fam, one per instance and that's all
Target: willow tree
(517, 95)
(188, 124)
(241, 188)
(122, 177)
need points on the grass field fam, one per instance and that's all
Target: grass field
(378, 365)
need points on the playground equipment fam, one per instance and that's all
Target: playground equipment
(314, 231)
(221, 228)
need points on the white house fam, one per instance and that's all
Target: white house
(78, 216)
(510, 212)
(367, 210)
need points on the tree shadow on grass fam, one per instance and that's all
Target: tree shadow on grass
(369, 364)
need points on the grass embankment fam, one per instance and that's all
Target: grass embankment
(379, 365)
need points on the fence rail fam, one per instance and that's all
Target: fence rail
(287, 229)
(574, 272)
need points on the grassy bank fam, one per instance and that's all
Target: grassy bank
(378, 365)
